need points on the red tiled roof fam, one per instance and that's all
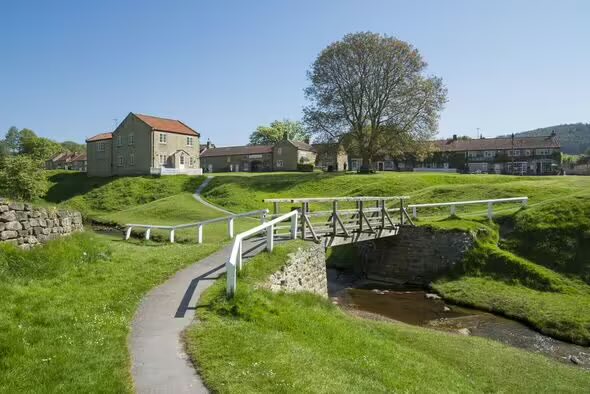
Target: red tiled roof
(497, 143)
(237, 150)
(100, 137)
(169, 125)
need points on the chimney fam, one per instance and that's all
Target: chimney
(285, 136)
(208, 143)
(454, 137)
(553, 133)
(306, 140)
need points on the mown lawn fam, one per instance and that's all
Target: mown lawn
(303, 343)
(67, 307)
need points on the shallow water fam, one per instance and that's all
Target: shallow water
(413, 307)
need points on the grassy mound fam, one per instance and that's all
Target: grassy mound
(67, 309)
(93, 196)
(274, 335)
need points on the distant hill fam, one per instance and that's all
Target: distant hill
(574, 138)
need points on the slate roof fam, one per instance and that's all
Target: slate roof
(237, 150)
(168, 125)
(497, 143)
(100, 137)
(302, 146)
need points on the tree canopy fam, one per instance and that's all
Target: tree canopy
(19, 178)
(373, 87)
(270, 135)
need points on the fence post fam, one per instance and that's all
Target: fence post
(490, 210)
(525, 201)
(147, 234)
(230, 227)
(294, 226)
(414, 212)
(231, 278)
(334, 213)
(303, 206)
(172, 236)
(453, 210)
(239, 257)
(128, 233)
(270, 238)
(200, 234)
(401, 211)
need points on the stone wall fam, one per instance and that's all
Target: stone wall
(23, 225)
(416, 256)
(305, 270)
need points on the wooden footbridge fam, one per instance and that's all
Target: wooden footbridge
(336, 221)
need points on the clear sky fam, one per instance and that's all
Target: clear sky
(69, 68)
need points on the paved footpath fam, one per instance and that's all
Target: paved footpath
(197, 196)
(159, 362)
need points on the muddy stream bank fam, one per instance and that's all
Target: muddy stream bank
(417, 307)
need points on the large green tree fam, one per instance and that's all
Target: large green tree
(39, 148)
(374, 88)
(269, 135)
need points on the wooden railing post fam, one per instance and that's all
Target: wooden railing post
(303, 212)
(270, 240)
(239, 260)
(172, 236)
(453, 210)
(383, 213)
(334, 213)
(147, 234)
(200, 234)
(490, 210)
(231, 279)
(128, 233)
(414, 212)
(230, 228)
(401, 211)
(294, 226)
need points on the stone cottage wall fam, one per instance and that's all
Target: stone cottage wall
(305, 270)
(23, 225)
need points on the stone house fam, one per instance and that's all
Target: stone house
(144, 145)
(283, 156)
(67, 161)
(331, 157)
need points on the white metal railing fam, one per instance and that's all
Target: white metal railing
(199, 225)
(454, 204)
(234, 263)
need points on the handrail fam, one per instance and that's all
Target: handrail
(331, 199)
(234, 263)
(230, 225)
(453, 204)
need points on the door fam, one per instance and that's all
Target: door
(380, 166)
(181, 161)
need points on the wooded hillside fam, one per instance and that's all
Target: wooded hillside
(574, 137)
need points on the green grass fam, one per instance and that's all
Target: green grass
(67, 308)
(94, 196)
(266, 342)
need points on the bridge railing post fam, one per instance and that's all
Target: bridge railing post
(401, 211)
(230, 228)
(490, 210)
(239, 257)
(414, 212)
(200, 234)
(128, 233)
(294, 226)
(172, 236)
(147, 234)
(270, 240)
(453, 210)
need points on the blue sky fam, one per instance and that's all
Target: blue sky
(69, 68)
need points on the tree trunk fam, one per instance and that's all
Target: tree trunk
(366, 165)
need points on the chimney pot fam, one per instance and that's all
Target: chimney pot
(454, 137)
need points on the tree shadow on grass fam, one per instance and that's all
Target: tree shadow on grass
(67, 185)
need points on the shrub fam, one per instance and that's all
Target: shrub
(305, 167)
(21, 178)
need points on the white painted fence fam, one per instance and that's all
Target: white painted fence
(199, 225)
(234, 263)
(454, 204)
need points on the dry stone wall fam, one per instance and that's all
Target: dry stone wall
(416, 256)
(305, 270)
(25, 226)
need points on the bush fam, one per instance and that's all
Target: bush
(21, 178)
(305, 167)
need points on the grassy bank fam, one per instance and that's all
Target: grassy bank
(67, 307)
(302, 343)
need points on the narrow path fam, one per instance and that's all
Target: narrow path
(159, 362)
(197, 196)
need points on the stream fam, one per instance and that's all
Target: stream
(419, 308)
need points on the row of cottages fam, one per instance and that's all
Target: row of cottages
(145, 145)
(285, 155)
(505, 155)
(73, 161)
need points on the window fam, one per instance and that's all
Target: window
(279, 151)
(189, 141)
(163, 159)
(119, 140)
(542, 152)
(228, 159)
(163, 138)
(516, 152)
(527, 152)
(191, 162)
(100, 147)
(182, 159)
(279, 163)
(131, 159)
(131, 139)
(120, 161)
(489, 153)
